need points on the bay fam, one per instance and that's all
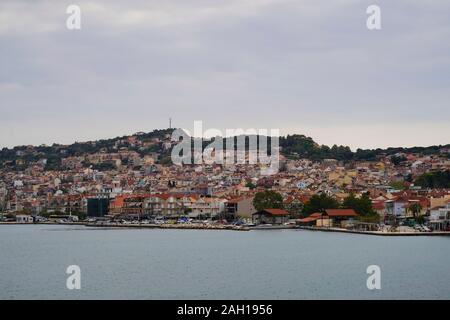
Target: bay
(212, 264)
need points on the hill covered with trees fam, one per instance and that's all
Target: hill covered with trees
(292, 146)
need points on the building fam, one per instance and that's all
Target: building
(22, 218)
(270, 216)
(167, 205)
(241, 207)
(340, 217)
(206, 206)
(311, 221)
(379, 208)
(399, 206)
(97, 207)
(133, 205)
(440, 218)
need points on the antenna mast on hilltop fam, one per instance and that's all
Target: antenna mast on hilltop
(170, 123)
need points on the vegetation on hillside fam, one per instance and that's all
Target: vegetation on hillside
(18, 157)
(434, 179)
(292, 146)
(362, 205)
(319, 203)
(268, 199)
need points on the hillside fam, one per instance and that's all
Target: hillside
(155, 142)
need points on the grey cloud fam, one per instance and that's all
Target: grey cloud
(295, 65)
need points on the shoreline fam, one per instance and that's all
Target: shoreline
(233, 228)
(170, 226)
(379, 233)
(138, 226)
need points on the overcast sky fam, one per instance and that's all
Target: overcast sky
(303, 66)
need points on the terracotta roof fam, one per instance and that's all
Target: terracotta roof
(312, 217)
(316, 215)
(378, 205)
(277, 212)
(341, 212)
(236, 200)
(300, 198)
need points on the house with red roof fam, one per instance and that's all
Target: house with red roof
(400, 205)
(294, 204)
(379, 207)
(330, 218)
(270, 216)
(341, 213)
(311, 220)
(340, 217)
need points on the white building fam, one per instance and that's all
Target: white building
(440, 213)
(440, 218)
(22, 218)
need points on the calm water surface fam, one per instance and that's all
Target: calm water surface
(202, 264)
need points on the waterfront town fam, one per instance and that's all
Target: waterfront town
(130, 181)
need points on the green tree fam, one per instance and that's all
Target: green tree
(420, 219)
(104, 166)
(362, 205)
(436, 179)
(44, 213)
(268, 199)
(318, 203)
(250, 185)
(415, 209)
(396, 160)
(81, 215)
(397, 185)
(295, 209)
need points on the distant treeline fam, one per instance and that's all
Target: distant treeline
(300, 146)
(305, 147)
(434, 179)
